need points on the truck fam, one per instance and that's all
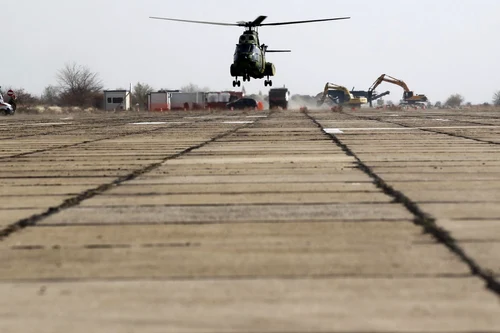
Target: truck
(278, 98)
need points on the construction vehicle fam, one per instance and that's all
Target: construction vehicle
(373, 96)
(278, 98)
(340, 96)
(409, 97)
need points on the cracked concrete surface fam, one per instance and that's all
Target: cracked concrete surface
(197, 225)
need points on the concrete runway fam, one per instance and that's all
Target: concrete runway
(286, 221)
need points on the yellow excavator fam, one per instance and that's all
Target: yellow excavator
(409, 97)
(340, 96)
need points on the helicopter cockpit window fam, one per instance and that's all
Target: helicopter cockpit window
(247, 48)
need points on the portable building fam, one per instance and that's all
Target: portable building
(159, 101)
(188, 101)
(117, 100)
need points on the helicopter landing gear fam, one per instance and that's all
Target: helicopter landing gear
(237, 83)
(246, 77)
(268, 83)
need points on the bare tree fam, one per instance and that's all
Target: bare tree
(78, 85)
(51, 95)
(454, 101)
(194, 88)
(140, 93)
(496, 98)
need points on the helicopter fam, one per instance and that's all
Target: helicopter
(250, 56)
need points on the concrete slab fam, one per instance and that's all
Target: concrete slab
(11, 216)
(339, 305)
(229, 214)
(31, 202)
(472, 230)
(234, 199)
(335, 158)
(456, 177)
(485, 253)
(151, 178)
(42, 190)
(63, 173)
(463, 211)
(452, 195)
(35, 181)
(462, 185)
(253, 225)
(257, 187)
(226, 251)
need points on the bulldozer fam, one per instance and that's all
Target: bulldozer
(340, 96)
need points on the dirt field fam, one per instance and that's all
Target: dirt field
(286, 221)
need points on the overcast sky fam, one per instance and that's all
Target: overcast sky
(437, 47)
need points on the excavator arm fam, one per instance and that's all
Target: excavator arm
(331, 86)
(340, 95)
(408, 95)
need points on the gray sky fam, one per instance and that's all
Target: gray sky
(437, 47)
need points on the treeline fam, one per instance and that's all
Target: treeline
(76, 86)
(79, 86)
(457, 101)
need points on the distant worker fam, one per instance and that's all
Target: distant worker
(11, 94)
(12, 99)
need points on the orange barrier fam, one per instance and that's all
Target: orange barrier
(260, 106)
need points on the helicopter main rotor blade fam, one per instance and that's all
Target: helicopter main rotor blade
(278, 51)
(307, 21)
(258, 21)
(199, 22)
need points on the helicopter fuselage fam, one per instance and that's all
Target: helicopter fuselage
(250, 59)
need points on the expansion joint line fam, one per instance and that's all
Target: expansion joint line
(421, 218)
(76, 200)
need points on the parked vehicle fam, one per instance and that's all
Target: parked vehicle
(278, 98)
(218, 100)
(242, 104)
(9, 108)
